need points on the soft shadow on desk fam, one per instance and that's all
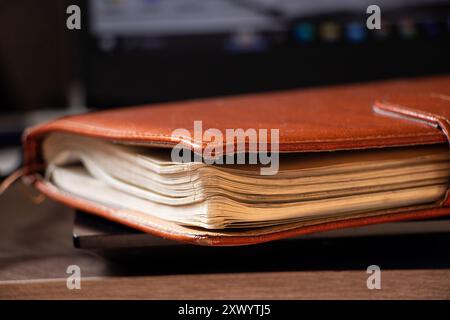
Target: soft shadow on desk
(417, 251)
(402, 252)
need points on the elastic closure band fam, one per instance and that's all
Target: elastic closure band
(22, 174)
(11, 179)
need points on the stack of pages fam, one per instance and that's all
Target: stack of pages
(308, 186)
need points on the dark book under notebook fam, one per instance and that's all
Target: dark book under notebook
(91, 232)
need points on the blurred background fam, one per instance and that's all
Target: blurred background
(146, 51)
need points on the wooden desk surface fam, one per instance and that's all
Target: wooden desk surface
(36, 249)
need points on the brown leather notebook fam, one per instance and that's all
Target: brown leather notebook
(334, 157)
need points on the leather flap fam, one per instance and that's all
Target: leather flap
(430, 108)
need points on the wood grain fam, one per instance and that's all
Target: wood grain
(401, 284)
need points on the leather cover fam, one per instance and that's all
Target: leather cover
(374, 115)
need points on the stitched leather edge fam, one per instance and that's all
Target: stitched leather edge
(33, 136)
